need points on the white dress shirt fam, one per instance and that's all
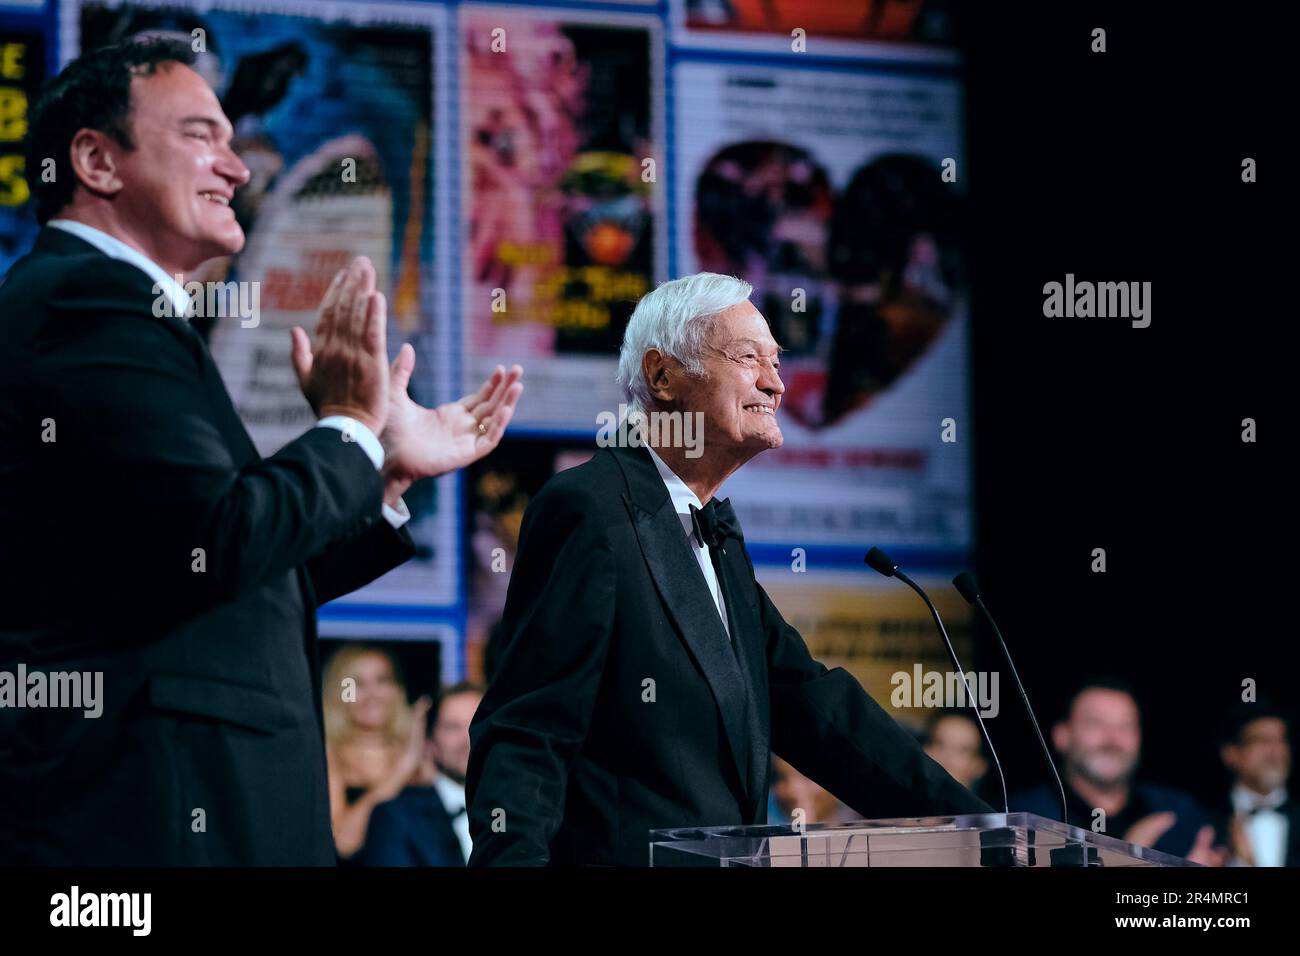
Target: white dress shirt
(683, 498)
(115, 248)
(1266, 828)
(452, 795)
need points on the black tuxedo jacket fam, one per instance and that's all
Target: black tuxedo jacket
(144, 538)
(1290, 809)
(618, 704)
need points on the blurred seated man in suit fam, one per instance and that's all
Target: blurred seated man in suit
(1100, 738)
(644, 675)
(426, 824)
(1261, 822)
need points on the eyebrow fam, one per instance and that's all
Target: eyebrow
(755, 343)
(217, 126)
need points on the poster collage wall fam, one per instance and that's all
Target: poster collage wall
(563, 159)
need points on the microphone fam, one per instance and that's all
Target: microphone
(966, 586)
(878, 561)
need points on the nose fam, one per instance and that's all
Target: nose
(230, 167)
(769, 381)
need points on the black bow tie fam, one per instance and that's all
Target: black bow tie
(715, 523)
(1262, 805)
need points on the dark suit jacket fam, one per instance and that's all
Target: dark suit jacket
(575, 756)
(149, 541)
(412, 829)
(1147, 798)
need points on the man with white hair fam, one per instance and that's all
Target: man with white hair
(645, 676)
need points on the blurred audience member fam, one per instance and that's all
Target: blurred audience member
(374, 739)
(1261, 822)
(426, 824)
(1100, 739)
(952, 739)
(791, 791)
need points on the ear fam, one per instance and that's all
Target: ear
(94, 161)
(658, 371)
(1060, 737)
(1228, 754)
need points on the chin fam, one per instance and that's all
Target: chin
(766, 441)
(230, 245)
(213, 248)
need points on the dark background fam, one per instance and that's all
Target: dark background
(1126, 166)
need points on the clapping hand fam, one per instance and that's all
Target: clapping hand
(425, 442)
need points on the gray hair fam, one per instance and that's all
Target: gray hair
(674, 319)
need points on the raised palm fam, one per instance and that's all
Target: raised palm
(425, 442)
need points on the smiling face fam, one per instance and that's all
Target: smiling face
(172, 192)
(377, 692)
(740, 391)
(450, 739)
(1102, 740)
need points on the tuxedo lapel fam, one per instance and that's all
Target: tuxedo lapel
(685, 595)
(747, 638)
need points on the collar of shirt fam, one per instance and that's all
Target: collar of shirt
(681, 495)
(451, 793)
(1245, 800)
(117, 249)
(682, 498)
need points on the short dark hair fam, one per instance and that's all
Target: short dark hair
(92, 92)
(1100, 682)
(946, 713)
(1241, 715)
(455, 690)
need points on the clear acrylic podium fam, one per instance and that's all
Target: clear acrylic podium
(986, 839)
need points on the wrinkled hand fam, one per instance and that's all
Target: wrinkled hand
(347, 373)
(425, 442)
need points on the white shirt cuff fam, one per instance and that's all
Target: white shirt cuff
(397, 516)
(353, 430)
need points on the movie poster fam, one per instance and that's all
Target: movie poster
(842, 219)
(501, 487)
(22, 70)
(562, 207)
(876, 628)
(913, 30)
(335, 119)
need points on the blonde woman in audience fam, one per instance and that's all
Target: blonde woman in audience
(374, 739)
